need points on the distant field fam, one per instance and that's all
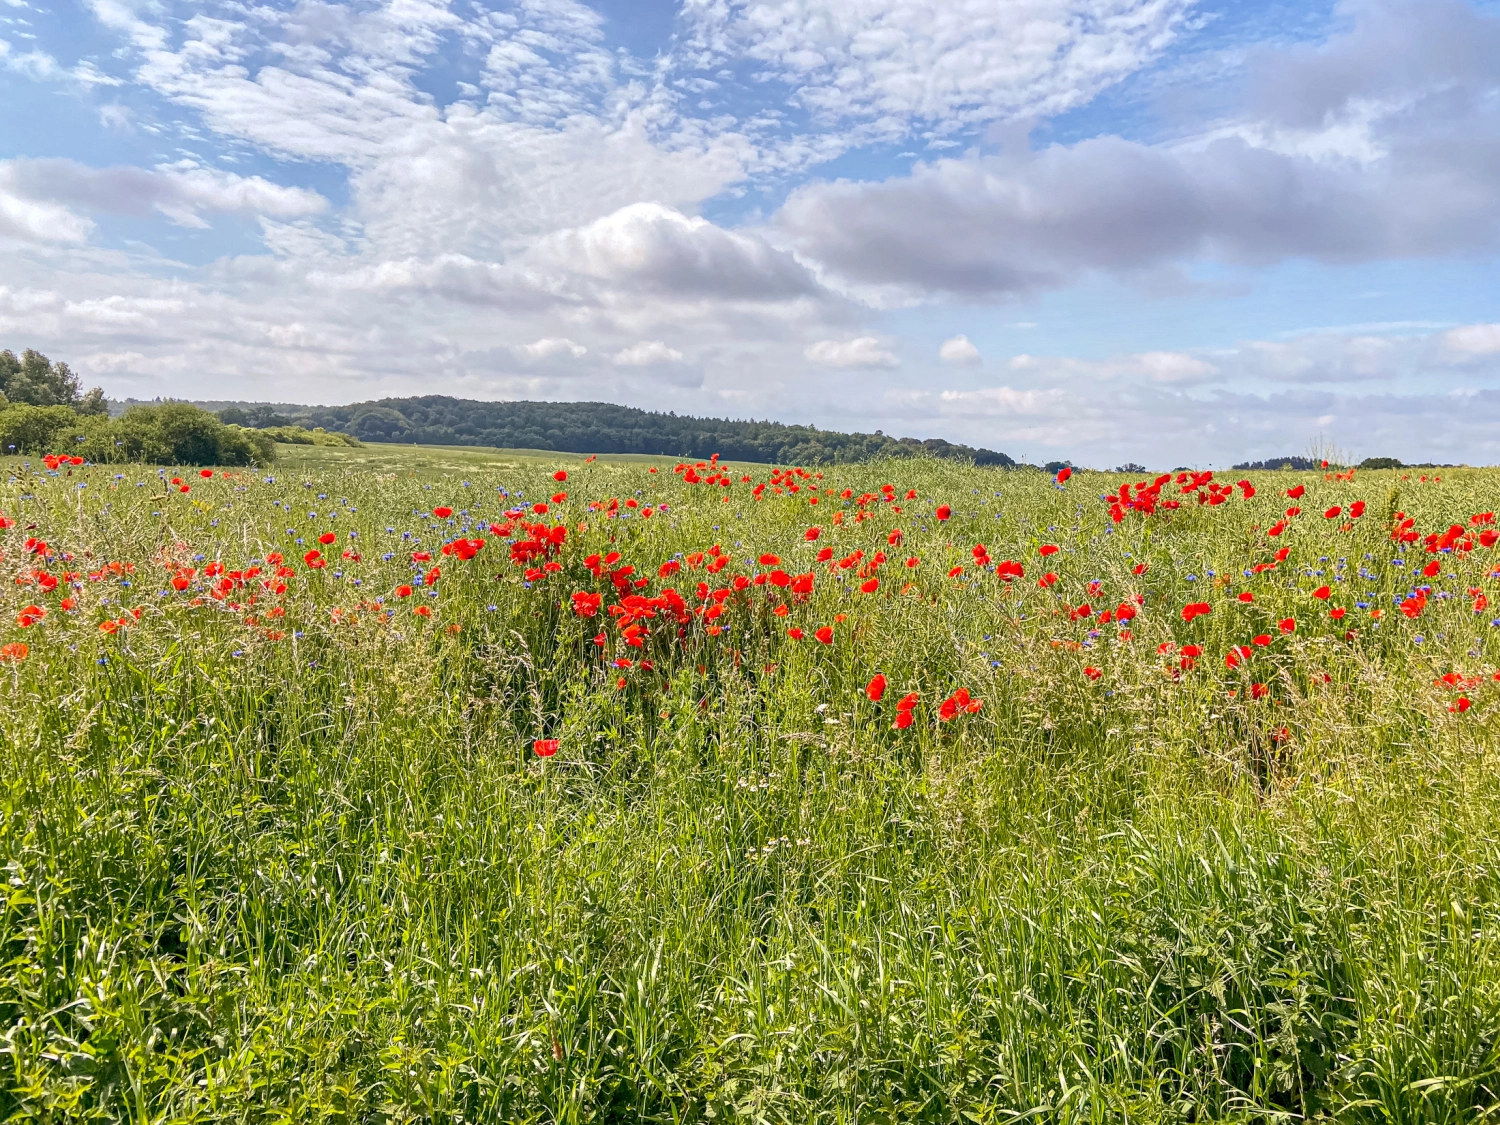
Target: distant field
(383, 458)
(452, 785)
(427, 459)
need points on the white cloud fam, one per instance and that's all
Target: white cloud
(659, 248)
(33, 221)
(1471, 341)
(648, 353)
(180, 192)
(958, 349)
(863, 351)
(887, 64)
(552, 347)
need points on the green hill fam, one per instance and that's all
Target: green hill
(595, 427)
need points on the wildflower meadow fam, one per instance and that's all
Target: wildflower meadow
(645, 790)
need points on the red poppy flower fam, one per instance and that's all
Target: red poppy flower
(327, 537)
(1261, 639)
(1047, 549)
(1357, 509)
(1287, 625)
(825, 635)
(1333, 513)
(205, 473)
(904, 719)
(1237, 655)
(1259, 691)
(943, 512)
(1461, 704)
(1337, 614)
(1046, 580)
(795, 633)
(545, 747)
(30, 616)
(770, 560)
(1296, 493)
(1063, 474)
(875, 689)
(423, 611)
(403, 591)
(1139, 569)
(955, 572)
(870, 586)
(1195, 609)
(1091, 672)
(14, 653)
(560, 475)
(442, 513)
(1247, 596)
(1432, 569)
(1322, 593)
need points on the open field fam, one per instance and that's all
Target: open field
(438, 459)
(978, 805)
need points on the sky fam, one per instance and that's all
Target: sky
(1157, 231)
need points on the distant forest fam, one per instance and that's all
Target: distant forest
(593, 427)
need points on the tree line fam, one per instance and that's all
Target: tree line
(598, 427)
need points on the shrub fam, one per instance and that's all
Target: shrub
(173, 433)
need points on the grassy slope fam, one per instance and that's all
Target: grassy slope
(438, 459)
(321, 876)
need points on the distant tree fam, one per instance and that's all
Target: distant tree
(1380, 463)
(34, 380)
(1271, 464)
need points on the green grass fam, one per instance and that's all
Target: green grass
(439, 459)
(306, 866)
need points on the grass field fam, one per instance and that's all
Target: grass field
(1187, 815)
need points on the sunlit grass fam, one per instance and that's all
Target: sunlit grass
(307, 866)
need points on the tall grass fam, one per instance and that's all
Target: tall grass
(325, 877)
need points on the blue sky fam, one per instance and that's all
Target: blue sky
(1146, 230)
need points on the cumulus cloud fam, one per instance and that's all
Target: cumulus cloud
(648, 353)
(862, 351)
(1471, 342)
(958, 349)
(32, 221)
(553, 347)
(655, 247)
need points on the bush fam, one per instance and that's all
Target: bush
(173, 433)
(34, 429)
